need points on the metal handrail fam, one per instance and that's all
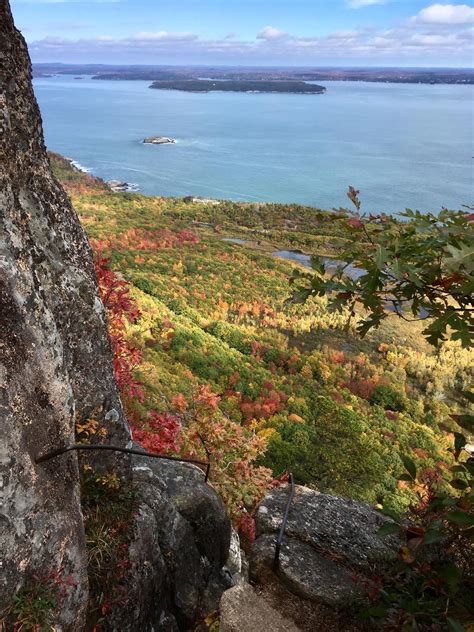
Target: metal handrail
(84, 446)
(279, 541)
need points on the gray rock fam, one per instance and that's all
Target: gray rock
(234, 561)
(148, 602)
(191, 530)
(346, 529)
(118, 186)
(159, 140)
(198, 503)
(242, 610)
(176, 574)
(327, 540)
(304, 572)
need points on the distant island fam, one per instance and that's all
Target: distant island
(460, 76)
(159, 140)
(208, 85)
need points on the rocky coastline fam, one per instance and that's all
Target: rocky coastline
(116, 186)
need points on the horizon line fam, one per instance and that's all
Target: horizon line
(328, 67)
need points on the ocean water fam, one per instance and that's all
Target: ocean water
(401, 145)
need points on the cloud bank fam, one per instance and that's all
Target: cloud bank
(438, 35)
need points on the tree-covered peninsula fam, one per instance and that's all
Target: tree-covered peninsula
(236, 85)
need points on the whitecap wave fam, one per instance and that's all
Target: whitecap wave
(132, 187)
(79, 167)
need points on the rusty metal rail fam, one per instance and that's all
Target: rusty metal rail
(111, 448)
(291, 482)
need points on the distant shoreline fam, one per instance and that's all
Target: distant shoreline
(428, 76)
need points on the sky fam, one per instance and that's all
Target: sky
(416, 33)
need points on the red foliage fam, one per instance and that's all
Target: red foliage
(269, 402)
(206, 397)
(338, 357)
(258, 349)
(361, 387)
(421, 453)
(121, 309)
(160, 433)
(179, 402)
(355, 222)
(167, 334)
(233, 379)
(141, 239)
(245, 524)
(58, 588)
(281, 480)
(337, 397)
(115, 294)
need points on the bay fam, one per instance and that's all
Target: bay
(402, 145)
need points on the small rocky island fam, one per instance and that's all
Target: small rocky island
(159, 140)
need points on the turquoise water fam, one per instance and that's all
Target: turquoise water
(401, 145)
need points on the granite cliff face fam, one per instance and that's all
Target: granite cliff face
(56, 368)
(54, 352)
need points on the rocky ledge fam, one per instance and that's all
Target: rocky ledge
(329, 543)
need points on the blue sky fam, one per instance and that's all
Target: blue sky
(249, 32)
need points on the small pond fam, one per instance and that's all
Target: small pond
(299, 257)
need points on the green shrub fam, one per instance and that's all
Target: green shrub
(389, 398)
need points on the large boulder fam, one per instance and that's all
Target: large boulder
(328, 542)
(304, 571)
(177, 556)
(192, 531)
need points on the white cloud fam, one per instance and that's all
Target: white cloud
(345, 34)
(153, 36)
(434, 40)
(271, 33)
(446, 14)
(358, 4)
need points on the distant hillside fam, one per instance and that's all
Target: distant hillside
(274, 383)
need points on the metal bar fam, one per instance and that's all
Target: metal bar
(291, 481)
(81, 446)
(208, 454)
